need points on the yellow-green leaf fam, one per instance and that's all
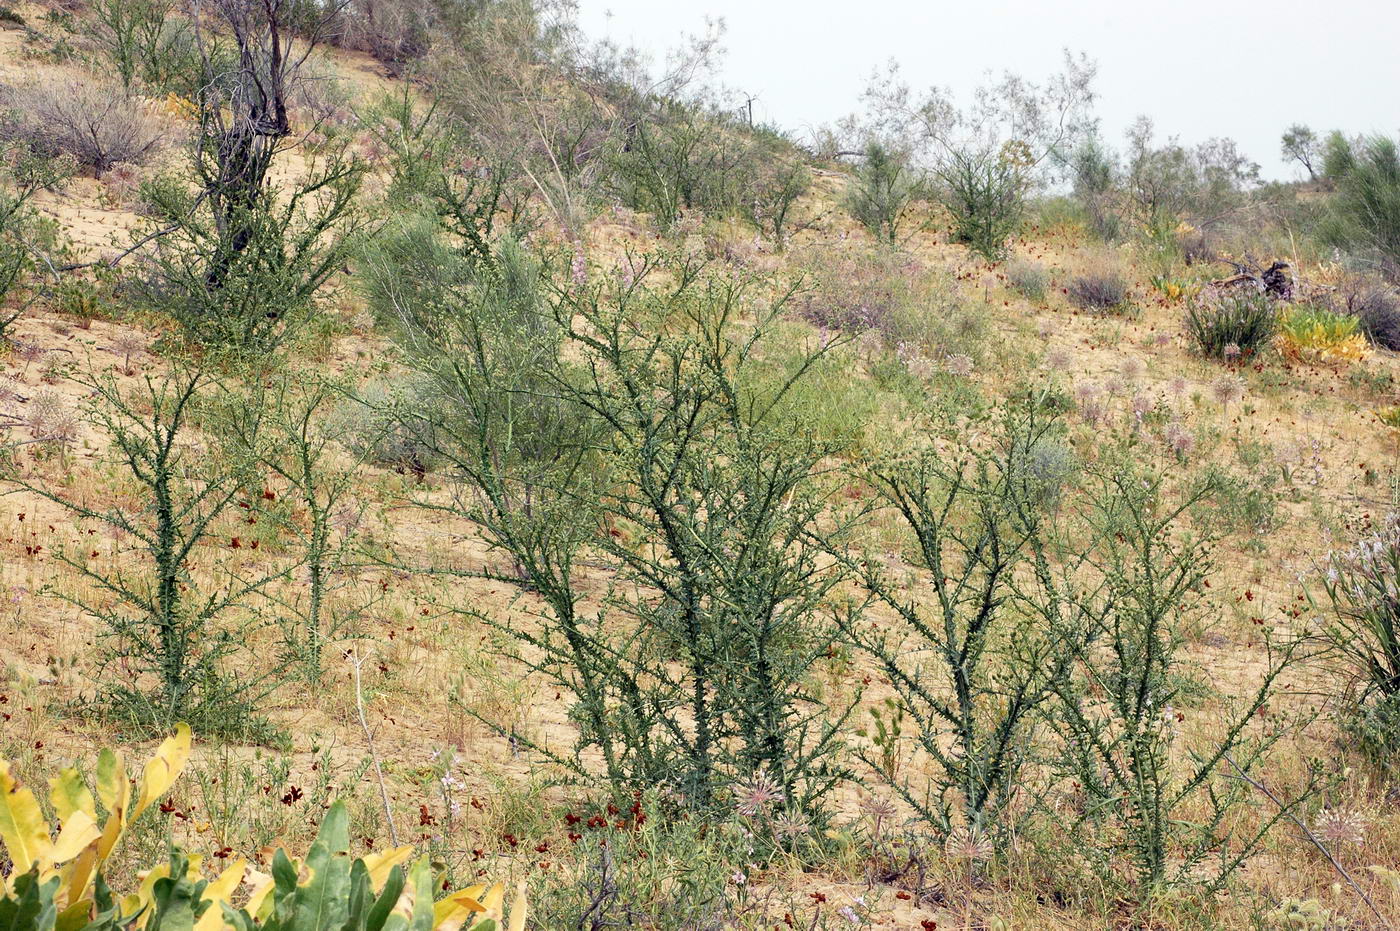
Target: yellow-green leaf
(220, 890)
(260, 884)
(79, 832)
(492, 902)
(453, 912)
(22, 827)
(518, 910)
(163, 768)
(381, 863)
(112, 787)
(69, 794)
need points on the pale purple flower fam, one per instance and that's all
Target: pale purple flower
(959, 364)
(758, 795)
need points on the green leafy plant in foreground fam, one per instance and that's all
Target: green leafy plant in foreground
(56, 883)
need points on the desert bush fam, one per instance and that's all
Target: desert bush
(1363, 631)
(1316, 334)
(704, 501)
(776, 180)
(235, 259)
(434, 170)
(169, 636)
(985, 192)
(1237, 503)
(245, 275)
(1164, 185)
(856, 291)
(1375, 726)
(1137, 771)
(1338, 155)
(1095, 177)
(1099, 291)
(280, 421)
(1195, 247)
(98, 124)
(1029, 278)
(493, 311)
(1376, 309)
(969, 673)
(147, 44)
(893, 296)
(24, 235)
(393, 31)
(1231, 325)
(882, 189)
(678, 160)
(1364, 216)
(558, 112)
(988, 156)
(624, 873)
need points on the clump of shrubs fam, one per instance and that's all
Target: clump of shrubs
(1376, 309)
(890, 297)
(1231, 325)
(1099, 291)
(1029, 278)
(1360, 584)
(1196, 248)
(95, 123)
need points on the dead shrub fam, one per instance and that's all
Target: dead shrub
(96, 123)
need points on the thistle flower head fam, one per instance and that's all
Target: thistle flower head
(757, 796)
(1342, 828)
(968, 844)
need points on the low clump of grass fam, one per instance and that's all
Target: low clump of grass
(1030, 279)
(1318, 335)
(1231, 325)
(1102, 291)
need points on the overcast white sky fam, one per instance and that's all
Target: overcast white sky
(1199, 68)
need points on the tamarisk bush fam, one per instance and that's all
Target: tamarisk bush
(882, 190)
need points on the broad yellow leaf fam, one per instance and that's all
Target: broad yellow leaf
(79, 833)
(81, 872)
(260, 885)
(114, 791)
(381, 863)
(69, 794)
(220, 890)
(453, 912)
(518, 909)
(22, 827)
(163, 768)
(112, 788)
(491, 902)
(141, 899)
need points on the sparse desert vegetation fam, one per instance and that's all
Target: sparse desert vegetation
(458, 477)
